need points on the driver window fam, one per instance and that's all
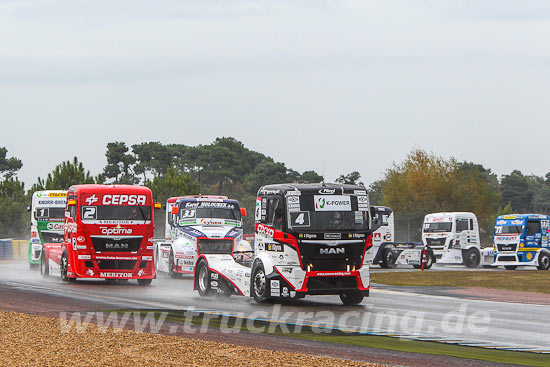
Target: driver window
(275, 213)
(532, 228)
(462, 225)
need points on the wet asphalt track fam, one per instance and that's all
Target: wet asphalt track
(388, 311)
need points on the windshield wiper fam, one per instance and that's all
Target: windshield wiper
(142, 213)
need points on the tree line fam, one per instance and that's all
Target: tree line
(422, 183)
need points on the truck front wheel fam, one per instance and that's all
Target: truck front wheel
(351, 298)
(44, 268)
(510, 267)
(64, 268)
(203, 279)
(259, 283)
(144, 281)
(471, 258)
(544, 261)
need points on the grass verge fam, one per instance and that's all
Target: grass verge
(517, 280)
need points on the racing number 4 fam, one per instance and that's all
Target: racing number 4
(300, 219)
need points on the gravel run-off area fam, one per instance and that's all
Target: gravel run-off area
(32, 340)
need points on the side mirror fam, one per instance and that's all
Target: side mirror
(175, 210)
(243, 212)
(157, 205)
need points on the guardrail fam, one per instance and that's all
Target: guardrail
(11, 249)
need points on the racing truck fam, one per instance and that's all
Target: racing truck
(310, 239)
(47, 216)
(108, 233)
(454, 239)
(194, 223)
(522, 240)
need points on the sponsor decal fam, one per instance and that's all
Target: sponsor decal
(357, 235)
(285, 292)
(147, 258)
(333, 236)
(388, 237)
(115, 230)
(103, 274)
(91, 200)
(213, 283)
(308, 236)
(80, 238)
(84, 257)
(81, 247)
(377, 237)
(211, 222)
(269, 192)
(334, 274)
(90, 272)
(56, 226)
(332, 203)
(501, 222)
(124, 199)
(275, 247)
(275, 284)
(265, 230)
(362, 199)
(293, 199)
(332, 251)
(57, 194)
(214, 276)
(326, 191)
(141, 273)
(360, 192)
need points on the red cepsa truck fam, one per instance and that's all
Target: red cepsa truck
(108, 235)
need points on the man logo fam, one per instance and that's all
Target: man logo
(116, 246)
(92, 199)
(332, 251)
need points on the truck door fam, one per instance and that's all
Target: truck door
(533, 233)
(463, 231)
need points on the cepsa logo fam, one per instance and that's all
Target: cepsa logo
(265, 230)
(124, 199)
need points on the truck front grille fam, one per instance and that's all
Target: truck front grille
(116, 244)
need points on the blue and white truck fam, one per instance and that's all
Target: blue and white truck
(522, 240)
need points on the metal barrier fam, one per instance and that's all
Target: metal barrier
(6, 250)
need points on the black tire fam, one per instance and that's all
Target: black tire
(544, 261)
(44, 268)
(472, 257)
(351, 298)
(388, 259)
(64, 266)
(144, 282)
(203, 279)
(510, 267)
(258, 283)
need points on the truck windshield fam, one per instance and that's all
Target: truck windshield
(332, 221)
(114, 212)
(218, 213)
(211, 213)
(508, 229)
(438, 227)
(49, 213)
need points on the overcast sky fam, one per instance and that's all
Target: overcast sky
(333, 86)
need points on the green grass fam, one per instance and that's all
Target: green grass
(385, 342)
(515, 280)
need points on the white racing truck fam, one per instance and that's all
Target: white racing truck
(195, 223)
(310, 239)
(454, 239)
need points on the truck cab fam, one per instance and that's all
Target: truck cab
(310, 239)
(195, 223)
(383, 231)
(522, 240)
(453, 237)
(108, 232)
(47, 216)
